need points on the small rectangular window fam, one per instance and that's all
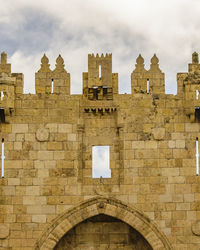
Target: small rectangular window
(2, 115)
(101, 162)
(2, 95)
(197, 95)
(197, 114)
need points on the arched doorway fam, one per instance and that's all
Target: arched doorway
(102, 232)
(103, 206)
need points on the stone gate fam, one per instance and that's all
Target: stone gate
(49, 197)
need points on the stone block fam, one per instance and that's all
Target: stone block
(59, 155)
(33, 190)
(158, 133)
(71, 137)
(192, 127)
(171, 144)
(137, 144)
(19, 128)
(64, 128)
(29, 137)
(53, 127)
(4, 231)
(151, 144)
(55, 146)
(45, 155)
(17, 145)
(13, 181)
(39, 218)
(180, 143)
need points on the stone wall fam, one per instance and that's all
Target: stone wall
(48, 139)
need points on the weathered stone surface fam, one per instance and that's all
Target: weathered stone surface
(196, 228)
(158, 133)
(48, 142)
(42, 134)
(4, 231)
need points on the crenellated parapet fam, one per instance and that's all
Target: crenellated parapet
(147, 81)
(55, 81)
(99, 83)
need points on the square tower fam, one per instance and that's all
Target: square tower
(100, 83)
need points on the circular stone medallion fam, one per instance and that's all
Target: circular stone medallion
(196, 228)
(42, 134)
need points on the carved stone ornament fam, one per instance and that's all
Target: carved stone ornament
(195, 58)
(42, 134)
(60, 65)
(196, 228)
(154, 59)
(45, 64)
(140, 59)
(139, 66)
(101, 205)
(154, 67)
(4, 231)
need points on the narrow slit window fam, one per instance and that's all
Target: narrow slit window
(2, 158)
(197, 114)
(197, 156)
(100, 71)
(2, 95)
(197, 95)
(101, 162)
(52, 85)
(147, 86)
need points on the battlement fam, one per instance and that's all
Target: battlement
(106, 56)
(100, 79)
(4, 66)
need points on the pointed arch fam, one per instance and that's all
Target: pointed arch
(108, 206)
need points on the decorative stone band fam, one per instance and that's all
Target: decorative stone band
(108, 206)
(100, 110)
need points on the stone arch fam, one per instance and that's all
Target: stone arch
(108, 206)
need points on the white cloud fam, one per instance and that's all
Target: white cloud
(75, 28)
(27, 63)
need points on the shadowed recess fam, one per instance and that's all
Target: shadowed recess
(103, 232)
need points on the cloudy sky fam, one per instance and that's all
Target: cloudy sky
(125, 28)
(101, 162)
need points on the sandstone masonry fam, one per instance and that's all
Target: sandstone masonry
(48, 198)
